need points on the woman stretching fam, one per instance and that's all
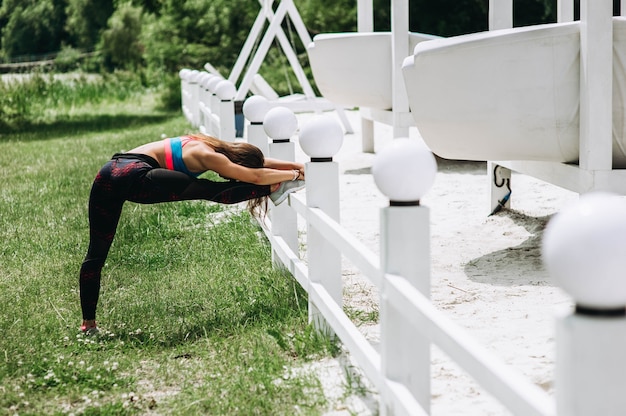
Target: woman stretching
(165, 171)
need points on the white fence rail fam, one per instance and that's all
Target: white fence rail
(207, 101)
(410, 323)
(590, 341)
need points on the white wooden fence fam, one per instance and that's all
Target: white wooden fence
(589, 374)
(207, 102)
(591, 341)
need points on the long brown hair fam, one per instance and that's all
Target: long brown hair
(241, 153)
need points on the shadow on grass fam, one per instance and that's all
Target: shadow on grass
(76, 125)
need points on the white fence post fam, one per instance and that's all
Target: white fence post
(500, 14)
(194, 95)
(225, 92)
(321, 138)
(280, 124)
(596, 84)
(254, 109)
(584, 251)
(185, 97)
(500, 17)
(213, 101)
(404, 171)
(204, 102)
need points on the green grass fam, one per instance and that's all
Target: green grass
(195, 319)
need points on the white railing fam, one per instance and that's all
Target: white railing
(409, 322)
(207, 101)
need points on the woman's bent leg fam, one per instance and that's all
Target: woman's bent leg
(133, 180)
(105, 208)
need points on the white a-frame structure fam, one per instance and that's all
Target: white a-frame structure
(308, 101)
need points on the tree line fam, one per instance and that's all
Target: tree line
(168, 33)
(159, 37)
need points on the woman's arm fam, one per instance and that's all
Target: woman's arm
(282, 164)
(221, 165)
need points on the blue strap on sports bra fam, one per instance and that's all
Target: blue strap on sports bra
(177, 157)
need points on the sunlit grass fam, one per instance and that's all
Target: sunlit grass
(194, 318)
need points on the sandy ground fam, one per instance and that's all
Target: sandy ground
(487, 274)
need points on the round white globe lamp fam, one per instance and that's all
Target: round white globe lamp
(584, 250)
(321, 137)
(404, 171)
(212, 83)
(193, 76)
(200, 77)
(255, 108)
(206, 79)
(225, 90)
(183, 73)
(280, 123)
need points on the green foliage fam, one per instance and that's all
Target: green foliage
(325, 16)
(39, 98)
(190, 33)
(448, 17)
(533, 12)
(156, 38)
(162, 36)
(32, 26)
(120, 45)
(86, 20)
(67, 60)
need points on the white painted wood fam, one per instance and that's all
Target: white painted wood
(215, 105)
(399, 50)
(324, 260)
(518, 394)
(398, 397)
(261, 52)
(284, 219)
(363, 69)
(590, 363)
(226, 121)
(500, 14)
(285, 44)
(365, 15)
(565, 11)
(571, 177)
(596, 84)
(274, 31)
(204, 102)
(405, 251)
(194, 109)
(356, 69)
(367, 133)
(360, 256)
(510, 94)
(257, 136)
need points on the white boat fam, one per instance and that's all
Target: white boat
(355, 69)
(509, 94)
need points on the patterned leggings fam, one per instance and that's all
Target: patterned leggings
(138, 178)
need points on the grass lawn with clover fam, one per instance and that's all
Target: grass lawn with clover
(194, 318)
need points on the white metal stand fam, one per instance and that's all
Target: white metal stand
(286, 8)
(399, 117)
